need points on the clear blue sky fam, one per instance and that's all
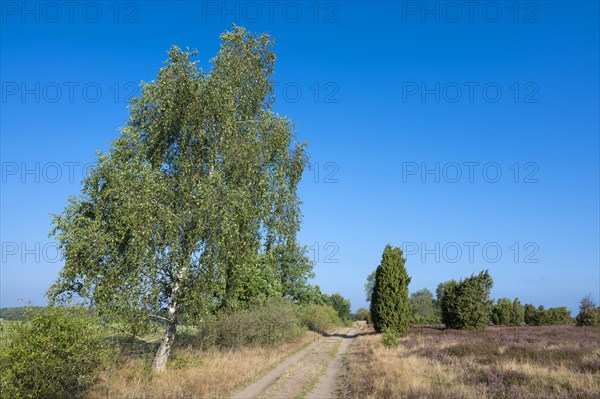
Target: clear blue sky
(455, 132)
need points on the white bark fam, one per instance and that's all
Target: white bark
(162, 354)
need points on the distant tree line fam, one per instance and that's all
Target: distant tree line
(17, 313)
(463, 304)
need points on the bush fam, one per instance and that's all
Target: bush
(555, 316)
(342, 306)
(362, 314)
(319, 318)
(274, 320)
(589, 313)
(423, 308)
(546, 317)
(533, 315)
(57, 354)
(466, 304)
(506, 312)
(389, 339)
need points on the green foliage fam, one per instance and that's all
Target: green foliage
(363, 314)
(505, 312)
(556, 316)
(369, 285)
(312, 295)
(274, 320)
(390, 307)
(533, 315)
(257, 281)
(389, 338)
(280, 271)
(466, 304)
(341, 306)
(423, 308)
(56, 354)
(518, 313)
(551, 316)
(589, 313)
(203, 175)
(319, 318)
(293, 268)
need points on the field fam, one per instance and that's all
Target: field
(500, 362)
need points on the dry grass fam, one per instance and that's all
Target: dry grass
(501, 362)
(194, 373)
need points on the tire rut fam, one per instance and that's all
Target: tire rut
(310, 373)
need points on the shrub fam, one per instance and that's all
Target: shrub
(551, 316)
(506, 312)
(319, 318)
(533, 315)
(362, 314)
(389, 338)
(555, 316)
(390, 307)
(423, 308)
(268, 322)
(342, 306)
(57, 354)
(466, 304)
(589, 313)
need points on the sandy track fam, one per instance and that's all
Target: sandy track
(310, 373)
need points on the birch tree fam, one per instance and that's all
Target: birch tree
(202, 176)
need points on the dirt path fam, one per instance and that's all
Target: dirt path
(310, 373)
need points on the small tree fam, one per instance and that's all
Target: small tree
(446, 298)
(363, 314)
(589, 313)
(466, 304)
(341, 305)
(518, 312)
(505, 312)
(390, 307)
(369, 285)
(533, 315)
(422, 306)
(502, 312)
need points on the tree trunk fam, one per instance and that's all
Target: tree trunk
(166, 343)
